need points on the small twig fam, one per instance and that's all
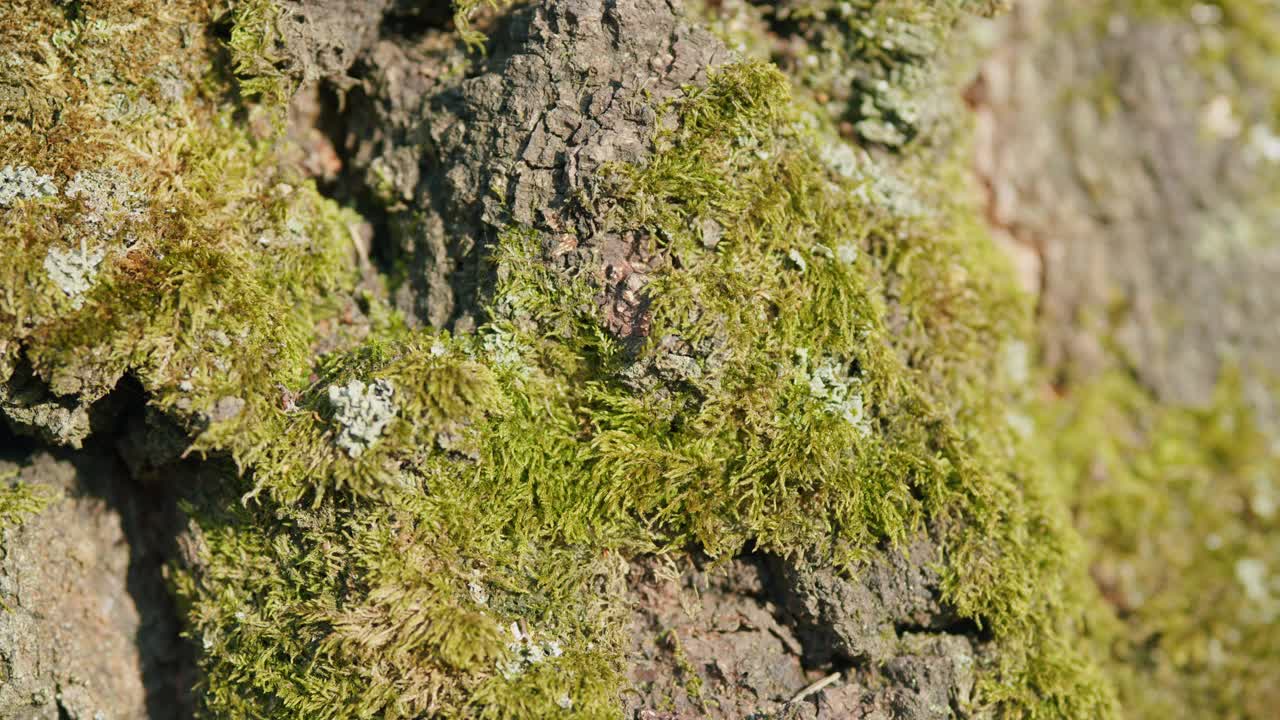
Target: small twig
(815, 687)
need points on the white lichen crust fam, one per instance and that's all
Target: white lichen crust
(22, 182)
(109, 199)
(74, 270)
(363, 412)
(830, 382)
(526, 652)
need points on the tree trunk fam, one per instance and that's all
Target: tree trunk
(638, 358)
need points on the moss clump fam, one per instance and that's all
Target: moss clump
(523, 461)
(20, 501)
(915, 319)
(400, 607)
(257, 60)
(439, 392)
(1179, 507)
(180, 250)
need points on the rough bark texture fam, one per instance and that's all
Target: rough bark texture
(862, 620)
(567, 89)
(328, 35)
(514, 523)
(752, 637)
(87, 629)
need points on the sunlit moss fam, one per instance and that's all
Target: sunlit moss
(521, 459)
(258, 63)
(211, 261)
(525, 449)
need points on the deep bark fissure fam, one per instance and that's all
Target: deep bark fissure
(146, 504)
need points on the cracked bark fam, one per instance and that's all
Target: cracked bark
(570, 86)
(567, 88)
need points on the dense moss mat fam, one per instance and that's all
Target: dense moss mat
(835, 393)
(463, 564)
(170, 244)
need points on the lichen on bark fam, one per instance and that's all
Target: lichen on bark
(649, 296)
(632, 272)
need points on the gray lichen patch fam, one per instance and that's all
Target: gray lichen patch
(363, 410)
(109, 198)
(840, 157)
(527, 652)
(502, 348)
(830, 381)
(74, 270)
(23, 182)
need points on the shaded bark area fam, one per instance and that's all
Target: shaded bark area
(88, 629)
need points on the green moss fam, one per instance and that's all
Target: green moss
(917, 319)
(215, 260)
(523, 459)
(362, 609)
(1179, 509)
(438, 393)
(258, 64)
(20, 501)
(464, 17)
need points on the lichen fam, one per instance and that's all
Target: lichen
(525, 652)
(23, 182)
(107, 196)
(73, 270)
(20, 501)
(830, 382)
(363, 412)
